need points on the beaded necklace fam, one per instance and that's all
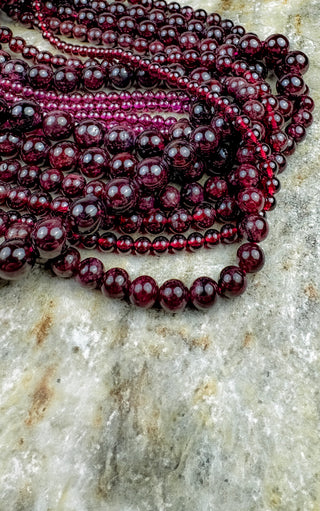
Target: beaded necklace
(90, 168)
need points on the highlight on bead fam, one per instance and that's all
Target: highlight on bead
(153, 130)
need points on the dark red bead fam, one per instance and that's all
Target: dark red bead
(142, 245)
(64, 155)
(232, 281)
(115, 283)
(150, 143)
(18, 230)
(203, 293)
(48, 237)
(250, 257)
(10, 143)
(254, 228)
(34, 149)
(86, 214)
(143, 292)
(120, 195)
(17, 198)
(151, 174)
(25, 115)
(204, 215)
(169, 198)
(179, 221)
(90, 273)
(195, 241)
(123, 165)
(50, 180)
(66, 79)
(119, 139)
(154, 222)
(58, 125)
(15, 70)
(250, 200)
(93, 162)
(9, 170)
(16, 259)
(173, 296)
(73, 185)
(89, 134)
(125, 244)
(39, 203)
(66, 264)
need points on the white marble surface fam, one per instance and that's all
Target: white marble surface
(108, 408)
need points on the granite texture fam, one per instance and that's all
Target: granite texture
(104, 407)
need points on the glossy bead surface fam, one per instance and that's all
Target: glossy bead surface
(48, 238)
(232, 281)
(66, 264)
(64, 155)
(34, 149)
(16, 259)
(57, 125)
(203, 293)
(85, 215)
(25, 115)
(254, 228)
(120, 195)
(89, 133)
(151, 174)
(115, 283)
(90, 273)
(143, 292)
(173, 296)
(149, 143)
(93, 162)
(119, 139)
(250, 257)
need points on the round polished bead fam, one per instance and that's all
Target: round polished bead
(120, 195)
(119, 139)
(204, 215)
(10, 143)
(4, 222)
(66, 264)
(25, 115)
(57, 125)
(226, 209)
(64, 155)
(39, 203)
(291, 85)
(93, 162)
(154, 222)
(151, 174)
(121, 77)
(15, 70)
(17, 198)
(179, 155)
(250, 200)
(66, 79)
(123, 165)
(18, 230)
(205, 140)
(203, 293)
(169, 198)
(85, 215)
(143, 292)
(40, 76)
(16, 259)
(150, 143)
(195, 241)
(73, 185)
(200, 114)
(89, 134)
(90, 273)
(173, 296)
(250, 257)
(276, 46)
(181, 129)
(179, 221)
(9, 170)
(214, 188)
(34, 149)
(192, 194)
(244, 176)
(48, 238)
(115, 283)
(93, 77)
(254, 228)
(50, 180)
(232, 281)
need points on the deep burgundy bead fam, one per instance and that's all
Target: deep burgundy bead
(151, 174)
(90, 273)
(50, 180)
(244, 176)
(226, 209)
(146, 202)
(66, 264)
(60, 205)
(169, 198)
(85, 215)
(93, 162)
(115, 283)
(291, 85)
(250, 46)
(4, 222)
(18, 230)
(93, 77)
(107, 242)
(215, 187)
(121, 77)
(9, 170)
(250, 257)
(154, 222)
(150, 143)
(250, 200)
(200, 114)
(254, 228)
(4, 189)
(143, 292)
(205, 139)
(15, 70)
(73, 185)
(16, 259)
(10, 143)
(25, 115)
(34, 149)
(64, 155)
(40, 76)
(173, 296)
(17, 198)
(119, 139)
(275, 47)
(48, 237)
(39, 203)
(204, 215)
(179, 221)
(181, 129)
(179, 155)
(123, 165)
(303, 118)
(203, 293)
(192, 194)
(142, 245)
(89, 133)
(66, 79)
(120, 195)
(232, 281)
(130, 224)
(125, 244)
(195, 241)
(296, 131)
(160, 245)
(57, 125)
